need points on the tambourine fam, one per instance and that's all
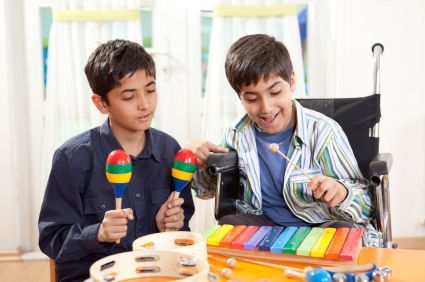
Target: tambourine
(150, 263)
(177, 241)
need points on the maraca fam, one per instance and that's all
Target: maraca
(118, 172)
(184, 165)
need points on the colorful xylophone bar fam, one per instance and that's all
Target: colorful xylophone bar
(343, 244)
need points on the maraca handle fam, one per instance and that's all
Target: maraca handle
(176, 195)
(118, 202)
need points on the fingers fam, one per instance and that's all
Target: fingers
(323, 188)
(315, 181)
(164, 206)
(174, 218)
(328, 189)
(217, 149)
(174, 222)
(202, 154)
(171, 197)
(202, 148)
(176, 203)
(118, 215)
(114, 225)
(129, 212)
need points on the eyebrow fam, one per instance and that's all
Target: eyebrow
(131, 90)
(268, 88)
(150, 83)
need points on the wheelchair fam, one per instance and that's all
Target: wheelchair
(362, 130)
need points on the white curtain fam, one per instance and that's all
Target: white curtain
(222, 105)
(69, 110)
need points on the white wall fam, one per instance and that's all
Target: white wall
(350, 29)
(15, 171)
(8, 232)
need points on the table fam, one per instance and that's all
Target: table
(407, 265)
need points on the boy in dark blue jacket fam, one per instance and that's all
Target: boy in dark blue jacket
(78, 223)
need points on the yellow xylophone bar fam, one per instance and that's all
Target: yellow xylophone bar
(219, 234)
(322, 243)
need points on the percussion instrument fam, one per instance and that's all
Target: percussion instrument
(175, 241)
(150, 263)
(118, 171)
(323, 246)
(184, 166)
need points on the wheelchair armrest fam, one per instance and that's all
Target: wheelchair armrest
(225, 167)
(221, 162)
(381, 164)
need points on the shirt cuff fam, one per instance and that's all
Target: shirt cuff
(348, 199)
(90, 242)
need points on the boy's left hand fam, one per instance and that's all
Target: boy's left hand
(331, 191)
(170, 215)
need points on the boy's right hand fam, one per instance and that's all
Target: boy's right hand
(202, 148)
(114, 225)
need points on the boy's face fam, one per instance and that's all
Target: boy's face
(132, 104)
(269, 103)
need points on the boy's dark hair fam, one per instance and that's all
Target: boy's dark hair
(112, 61)
(254, 57)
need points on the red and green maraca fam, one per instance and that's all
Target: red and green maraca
(184, 165)
(118, 172)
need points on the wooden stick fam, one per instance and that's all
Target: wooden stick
(293, 274)
(262, 263)
(118, 202)
(351, 269)
(275, 148)
(225, 272)
(176, 195)
(231, 262)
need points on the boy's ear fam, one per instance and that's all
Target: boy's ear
(100, 104)
(293, 83)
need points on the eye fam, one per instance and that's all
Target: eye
(151, 91)
(129, 98)
(252, 100)
(276, 93)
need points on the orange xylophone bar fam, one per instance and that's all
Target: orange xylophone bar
(326, 243)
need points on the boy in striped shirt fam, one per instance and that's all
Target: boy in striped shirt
(259, 69)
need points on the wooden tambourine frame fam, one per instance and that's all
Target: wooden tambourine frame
(150, 263)
(177, 241)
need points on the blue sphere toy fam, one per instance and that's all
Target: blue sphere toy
(318, 275)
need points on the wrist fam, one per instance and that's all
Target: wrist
(100, 237)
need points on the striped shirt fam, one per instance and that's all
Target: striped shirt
(318, 146)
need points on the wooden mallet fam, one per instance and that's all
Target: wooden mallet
(275, 149)
(225, 272)
(231, 262)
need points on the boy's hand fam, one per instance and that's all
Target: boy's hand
(202, 148)
(170, 215)
(331, 191)
(114, 225)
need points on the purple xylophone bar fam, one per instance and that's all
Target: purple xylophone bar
(256, 239)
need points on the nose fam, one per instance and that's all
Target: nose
(142, 102)
(267, 106)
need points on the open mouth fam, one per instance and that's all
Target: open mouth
(144, 118)
(269, 119)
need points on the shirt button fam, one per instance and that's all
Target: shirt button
(137, 195)
(102, 207)
(140, 227)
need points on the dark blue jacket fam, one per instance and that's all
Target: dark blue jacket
(78, 194)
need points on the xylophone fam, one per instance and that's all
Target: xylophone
(324, 246)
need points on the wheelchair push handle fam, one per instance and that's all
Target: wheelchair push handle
(377, 50)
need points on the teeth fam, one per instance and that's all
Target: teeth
(269, 119)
